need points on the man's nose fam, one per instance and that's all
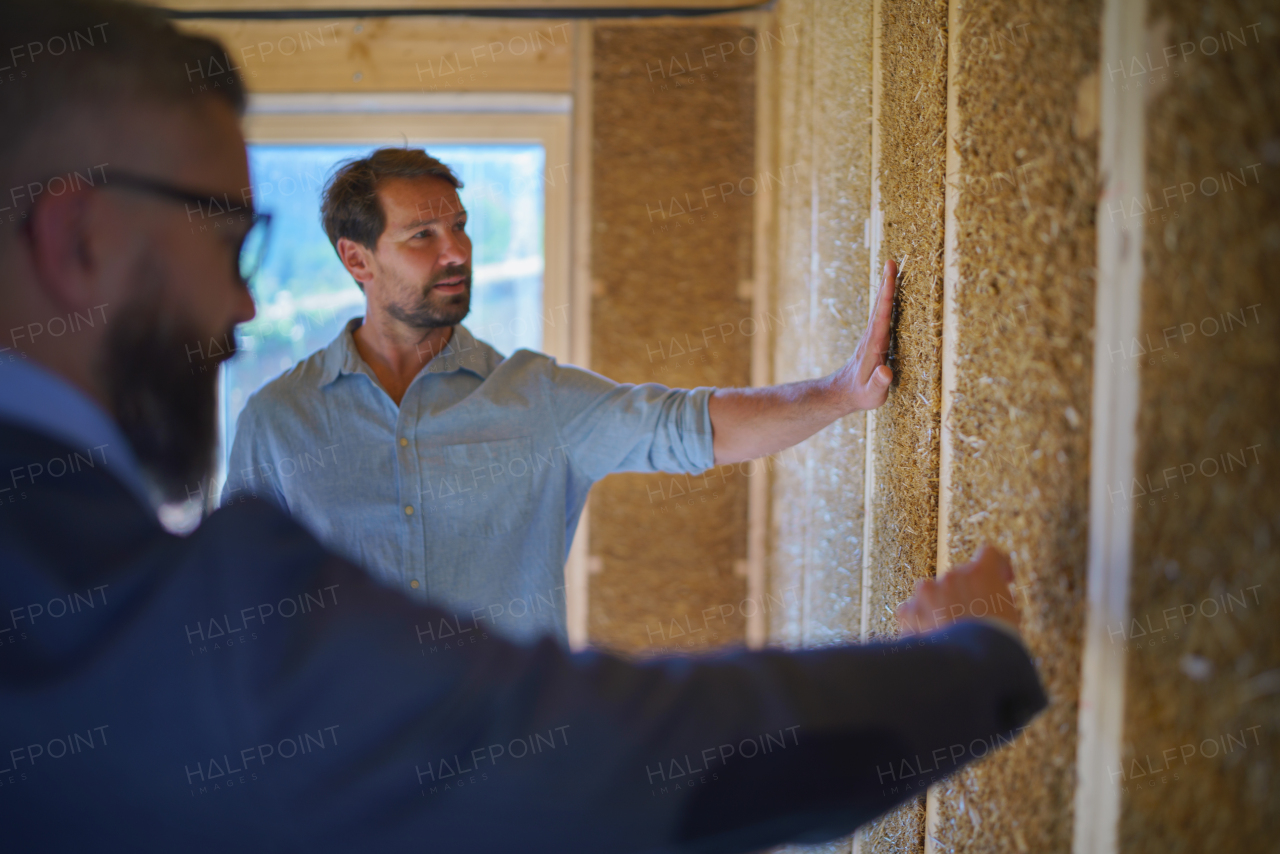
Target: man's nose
(244, 309)
(457, 249)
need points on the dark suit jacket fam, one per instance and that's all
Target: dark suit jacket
(241, 689)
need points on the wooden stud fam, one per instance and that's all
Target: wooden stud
(758, 489)
(950, 284)
(1112, 443)
(807, 79)
(712, 19)
(874, 237)
(577, 589)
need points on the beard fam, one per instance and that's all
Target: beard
(436, 310)
(161, 377)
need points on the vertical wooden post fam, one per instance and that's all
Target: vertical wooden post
(874, 235)
(577, 566)
(1113, 438)
(950, 281)
(950, 284)
(762, 344)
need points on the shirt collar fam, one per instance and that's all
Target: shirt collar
(464, 352)
(38, 399)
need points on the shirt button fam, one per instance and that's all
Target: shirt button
(408, 511)
(403, 442)
(414, 584)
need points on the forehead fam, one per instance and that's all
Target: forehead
(196, 145)
(407, 200)
(209, 149)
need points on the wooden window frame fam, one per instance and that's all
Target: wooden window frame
(393, 119)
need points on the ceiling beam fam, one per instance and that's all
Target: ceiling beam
(392, 54)
(373, 8)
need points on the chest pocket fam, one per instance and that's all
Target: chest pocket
(480, 488)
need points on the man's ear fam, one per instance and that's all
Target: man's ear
(66, 258)
(357, 259)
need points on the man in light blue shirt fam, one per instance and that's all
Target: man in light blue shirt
(459, 475)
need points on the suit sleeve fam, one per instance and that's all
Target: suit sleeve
(622, 427)
(446, 733)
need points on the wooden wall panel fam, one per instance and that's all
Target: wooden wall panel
(911, 170)
(824, 111)
(837, 309)
(1025, 253)
(911, 152)
(1201, 749)
(790, 518)
(429, 54)
(824, 104)
(673, 116)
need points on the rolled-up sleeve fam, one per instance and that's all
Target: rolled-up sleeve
(615, 427)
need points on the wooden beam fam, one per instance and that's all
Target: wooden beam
(577, 568)
(449, 5)
(436, 54)
(762, 345)
(531, 103)
(950, 282)
(874, 236)
(950, 285)
(746, 18)
(1112, 442)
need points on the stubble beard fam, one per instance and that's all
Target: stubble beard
(434, 311)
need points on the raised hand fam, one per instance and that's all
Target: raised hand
(979, 588)
(864, 379)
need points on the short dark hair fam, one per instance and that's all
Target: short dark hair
(351, 208)
(90, 53)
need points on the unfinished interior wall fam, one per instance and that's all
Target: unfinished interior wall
(1206, 500)
(1025, 252)
(911, 171)
(1026, 240)
(824, 107)
(673, 115)
(910, 151)
(790, 483)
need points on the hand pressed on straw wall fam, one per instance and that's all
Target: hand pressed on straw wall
(751, 422)
(864, 379)
(979, 588)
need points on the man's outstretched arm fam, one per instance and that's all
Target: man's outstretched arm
(246, 656)
(752, 422)
(589, 753)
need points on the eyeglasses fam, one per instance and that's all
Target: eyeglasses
(252, 248)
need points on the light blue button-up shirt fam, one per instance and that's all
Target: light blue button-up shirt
(469, 492)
